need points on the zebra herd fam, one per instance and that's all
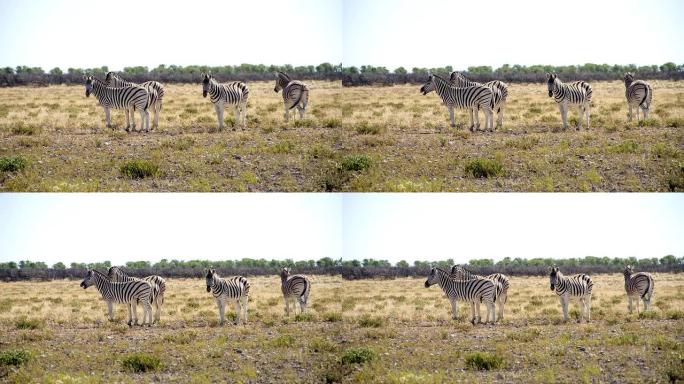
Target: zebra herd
(456, 92)
(458, 284)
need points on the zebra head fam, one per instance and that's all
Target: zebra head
(206, 79)
(210, 275)
(429, 86)
(629, 78)
(554, 277)
(109, 78)
(114, 273)
(284, 273)
(550, 81)
(88, 280)
(629, 270)
(458, 272)
(432, 278)
(282, 79)
(88, 84)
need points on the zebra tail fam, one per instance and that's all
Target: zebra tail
(298, 100)
(649, 289)
(648, 90)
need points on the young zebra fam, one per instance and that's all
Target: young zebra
(231, 288)
(638, 286)
(234, 93)
(458, 272)
(158, 284)
(155, 90)
(474, 291)
(457, 79)
(471, 98)
(295, 288)
(295, 94)
(575, 93)
(639, 94)
(129, 292)
(579, 286)
(128, 98)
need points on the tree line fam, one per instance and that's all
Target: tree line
(350, 76)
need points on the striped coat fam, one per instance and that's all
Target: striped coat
(295, 94)
(577, 286)
(639, 286)
(295, 288)
(157, 282)
(129, 292)
(473, 291)
(228, 289)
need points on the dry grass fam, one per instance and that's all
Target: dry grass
(392, 331)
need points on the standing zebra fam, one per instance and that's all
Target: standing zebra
(472, 98)
(638, 286)
(573, 286)
(231, 288)
(456, 78)
(575, 93)
(128, 98)
(639, 94)
(473, 291)
(294, 288)
(157, 282)
(129, 292)
(295, 94)
(233, 93)
(155, 90)
(460, 273)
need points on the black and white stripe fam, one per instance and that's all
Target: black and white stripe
(575, 93)
(499, 87)
(129, 292)
(155, 91)
(471, 98)
(296, 289)
(473, 291)
(295, 94)
(639, 94)
(638, 286)
(230, 288)
(459, 272)
(158, 284)
(567, 287)
(128, 98)
(234, 93)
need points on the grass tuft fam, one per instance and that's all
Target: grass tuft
(483, 361)
(359, 355)
(12, 163)
(369, 321)
(139, 169)
(15, 357)
(26, 323)
(141, 362)
(356, 163)
(484, 168)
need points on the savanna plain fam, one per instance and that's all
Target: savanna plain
(353, 139)
(387, 331)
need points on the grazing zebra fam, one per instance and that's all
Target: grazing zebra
(157, 282)
(471, 98)
(295, 94)
(233, 93)
(639, 94)
(573, 286)
(230, 288)
(128, 98)
(457, 79)
(129, 292)
(474, 291)
(575, 93)
(295, 288)
(638, 286)
(155, 90)
(460, 273)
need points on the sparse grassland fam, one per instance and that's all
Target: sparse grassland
(392, 331)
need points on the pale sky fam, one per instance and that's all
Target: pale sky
(462, 226)
(66, 33)
(435, 33)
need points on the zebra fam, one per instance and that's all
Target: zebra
(579, 286)
(129, 292)
(472, 98)
(157, 282)
(294, 288)
(456, 78)
(638, 285)
(473, 291)
(460, 273)
(295, 94)
(639, 94)
(234, 93)
(155, 90)
(230, 288)
(576, 93)
(128, 98)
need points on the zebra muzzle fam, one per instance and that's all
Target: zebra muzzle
(550, 93)
(552, 287)
(427, 285)
(204, 94)
(208, 288)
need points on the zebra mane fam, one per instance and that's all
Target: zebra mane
(457, 74)
(284, 76)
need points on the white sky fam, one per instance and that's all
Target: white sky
(431, 33)
(462, 226)
(65, 33)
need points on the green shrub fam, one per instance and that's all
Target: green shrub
(483, 168)
(21, 128)
(676, 122)
(525, 335)
(180, 144)
(283, 341)
(356, 162)
(627, 146)
(141, 362)
(14, 357)
(648, 315)
(483, 361)
(674, 314)
(304, 123)
(650, 122)
(26, 323)
(369, 321)
(284, 146)
(139, 169)
(332, 123)
(12, 163)
(333, 317)
(359, 355)
(308, 316)
(365, 128)
(624, 339)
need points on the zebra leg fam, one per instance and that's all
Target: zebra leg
(222, 309)
(287, 113)
(454, 310)
(500, 112)
(477, 119)
(108, 122)
(237, 116)
(287, 307)
(580, 116)
(564, 307)
(629, 303)
(301, 110)
(109, 308)
(502, 302)
(637, 305)
(563, 117)
(587, 110)
(244, 116)
(629, 116)
(130, 315)
(302, 305)
(588, 308)
(645, 112)
(238, 312)
(157, 108)
(451, 116)
(245, 303)
(148, 313)
(472, 120)
(490, 118)
(135, 312)
(131, 111)
(478, 317)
